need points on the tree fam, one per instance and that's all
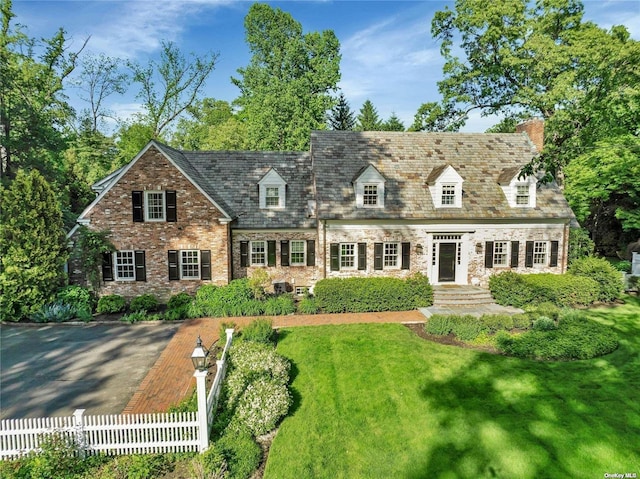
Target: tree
(32, 245)
(368, 119)
(433, 116)
(193, 132)
(393, 124)
(181, 81)
(341, 117)
(132, 136)
(33, 109)
(285, 91)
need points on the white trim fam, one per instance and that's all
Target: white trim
(272, 179)
(369, 177)
(441, 228)
(448, 177)
(265, 252)
(198, 263)
(116, 276)
(304, 252)
(398, 255)
(146, 205)
(354, 256)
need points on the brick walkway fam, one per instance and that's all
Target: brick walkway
(171, 377)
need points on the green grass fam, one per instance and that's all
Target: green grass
(376, 401)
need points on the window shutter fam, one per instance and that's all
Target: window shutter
(406, 255)
(107, 266)
(205, 264)
(362, 256)
(271, 253)
(488, 254)
(284, 253)
(174, 274)
(244, 254)
(334, 252)
(377, 255)
(528, 260)
(137, 202)
(171, 208)
(141, 268)
(515, 253)
(553, 260)
(311, 252)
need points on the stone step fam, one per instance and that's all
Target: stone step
(461, 296)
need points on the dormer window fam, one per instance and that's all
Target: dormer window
(369, 188)
(445, 186)
(522, 195)
(272, 189)
(519, 191)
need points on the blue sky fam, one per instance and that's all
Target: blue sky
(388, 55)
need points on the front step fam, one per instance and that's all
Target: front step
(461, 296)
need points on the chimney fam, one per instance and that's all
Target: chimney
(534, 128)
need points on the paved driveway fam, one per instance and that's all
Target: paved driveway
(51, 370)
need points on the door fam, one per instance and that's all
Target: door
(447, 262)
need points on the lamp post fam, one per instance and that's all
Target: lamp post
(199, 358)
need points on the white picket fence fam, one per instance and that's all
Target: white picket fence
(122, 433)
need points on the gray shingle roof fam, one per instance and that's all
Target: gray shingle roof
(409, 160)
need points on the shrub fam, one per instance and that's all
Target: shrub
(144, 302)
(221, 301)
(623, 266)
(580, 244)
(564, 290)
(279, 305)
(260, 331)
(179, 301)
(497, 322)
(521, 321)
(543, 323)
(439, 324)
(545, 309)
(467, 328)
(241, 453)
(634, 283)
(259, 281)
(509, 289)
(111, 303)
(57, 312)
(421, 289)
(211, 464)
(308, 306)
(262, 404)
(135, 317)
(76, 296)
(599, 269)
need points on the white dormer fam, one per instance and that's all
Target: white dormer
(368, 185)
(272, 190)
(445, 186)
(520, 192)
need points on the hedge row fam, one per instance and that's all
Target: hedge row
(359, 295)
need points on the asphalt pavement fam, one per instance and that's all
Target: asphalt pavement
(54, 369)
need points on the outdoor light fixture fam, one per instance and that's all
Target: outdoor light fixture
(199, 356)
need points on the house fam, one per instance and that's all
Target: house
(452, 206)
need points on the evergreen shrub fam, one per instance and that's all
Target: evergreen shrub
(509, 289)
(77, 296)
(241, 453)
(260, 331)
(609, 279)
(111, 303)
(543, 323)
(144, 302)
(439, 324)
(467, 328)
(308, 305)
(497, 322)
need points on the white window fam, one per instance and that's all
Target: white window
(297, 253)
(448, 195)
(370, 195)
(154, 206)
(272, 188)
(390, 256)
(125, 267)
(258, 253)
(540, 253)
(522, 195)
(272, 196)
(501, 253)
(190, 264)
(347, 255)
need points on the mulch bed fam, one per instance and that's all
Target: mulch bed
(449, 339)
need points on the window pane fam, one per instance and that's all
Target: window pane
(391, 255)
(370, 196)
(448, 194)
(347, 255)
(296, 252)
(190, 265)
(522, 195)
(258, 253)
(272, 196)
(125, 265)
(540, 252)
(500, 252)
(155, 205)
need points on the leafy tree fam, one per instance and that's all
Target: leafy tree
(285, 91)
(434, 116)
(341, 117)
(230, 135)
(32, 245)
(393, 124)
(368, 119)
(131, 137)
(33, 109)
(181, 81)
(193, 132)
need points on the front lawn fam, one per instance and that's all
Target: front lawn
(377, 401)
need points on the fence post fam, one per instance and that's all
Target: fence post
(203, 421)
(78, 425)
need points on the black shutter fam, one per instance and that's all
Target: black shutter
(377, 255)
(553, 260)
(284, 253)
(271, 253)
(528, 259)
(515, 253)
(406, 255)
(141, 268)
(171, 208)
(311, 252)
(334, 252)
(362, 256)
(174, 273)
(488, 254)
(107, 266)
(244, 254)
(205, 264)
(137, 202)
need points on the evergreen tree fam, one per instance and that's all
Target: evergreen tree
(393, 124)
(341, 117)
(368, 119)
(32, 246)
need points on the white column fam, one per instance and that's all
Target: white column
(203, 422)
